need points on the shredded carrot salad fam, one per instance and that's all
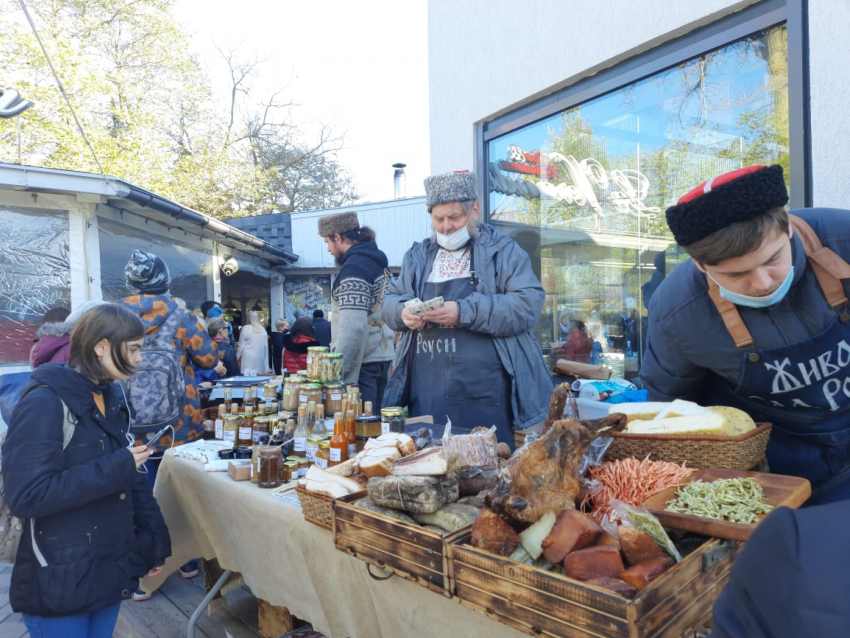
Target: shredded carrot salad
(631, 481)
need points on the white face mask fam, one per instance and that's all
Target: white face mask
(454, 240)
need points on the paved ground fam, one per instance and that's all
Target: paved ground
(165, 615)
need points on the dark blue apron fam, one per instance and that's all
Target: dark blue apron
(802, 388)
(457, 373)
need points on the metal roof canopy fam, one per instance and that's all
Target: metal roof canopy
(124, 195)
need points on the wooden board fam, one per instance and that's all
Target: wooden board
(790, 491)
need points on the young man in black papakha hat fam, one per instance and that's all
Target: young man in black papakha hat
(758, 319)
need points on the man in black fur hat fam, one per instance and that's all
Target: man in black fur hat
(758, 319)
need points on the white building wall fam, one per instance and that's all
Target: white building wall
(397, 224)
(829, 70)
(486, 60)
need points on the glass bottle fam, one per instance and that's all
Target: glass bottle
(311, 416)
(367, 408)
(351, 433)
(234, 409)
(301, 433)
(320, 430)
(246, 427)
(339, 442)
(219, 422)
(228, 397)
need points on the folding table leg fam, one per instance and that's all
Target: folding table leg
(206, 601)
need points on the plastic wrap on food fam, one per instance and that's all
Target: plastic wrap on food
(473, 450)
(423, 438)
(595, 452)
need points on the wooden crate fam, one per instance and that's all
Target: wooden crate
(542, 603)
(408, 551)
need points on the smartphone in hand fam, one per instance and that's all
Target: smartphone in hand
(149, 443)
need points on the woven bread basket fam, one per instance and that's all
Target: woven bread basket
(730, 452)
(317, 508)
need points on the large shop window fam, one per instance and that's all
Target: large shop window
(35, 275)
(190, 267)
(584, 191)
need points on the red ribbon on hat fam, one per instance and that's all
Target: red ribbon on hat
(714, 182)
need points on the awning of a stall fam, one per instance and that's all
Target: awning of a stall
(129, 197)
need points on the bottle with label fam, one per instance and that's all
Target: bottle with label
(246, 396)
(228, 397)
(246, 428)
(339, 442)
(367, 408)
(299, 447)
(255, 397)
(234, 409)
(320, 430)
(351, 433)
(219, 422)
(230, 429)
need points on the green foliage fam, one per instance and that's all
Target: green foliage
(147, 109)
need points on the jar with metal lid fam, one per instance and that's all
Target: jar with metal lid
(260, 428)
(310, 392)
(323, 455)
(312, 448)
(314, 361)
(331, 367)
(303, 466)
(290, 471)
(230, 429)
(392, 420)
(270, 390)
(244, 452)
(367, 426)
(334, 393)
(291, 390)
(269, 466)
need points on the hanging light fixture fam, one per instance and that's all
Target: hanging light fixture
(230, 307)
(257, 307)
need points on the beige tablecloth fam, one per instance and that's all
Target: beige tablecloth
(289, 562)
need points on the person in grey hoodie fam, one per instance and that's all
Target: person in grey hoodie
(359, 334)
(473, 360)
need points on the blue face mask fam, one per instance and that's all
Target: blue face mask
(758, 302)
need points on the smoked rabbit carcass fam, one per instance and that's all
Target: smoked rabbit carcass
(544, 476)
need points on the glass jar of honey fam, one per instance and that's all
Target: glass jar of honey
(323, 455)
(334, 393)
(310, 392)
(269, 466)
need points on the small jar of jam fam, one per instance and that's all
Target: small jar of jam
(323, 455)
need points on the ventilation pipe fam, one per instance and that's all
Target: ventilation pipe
(399, 181)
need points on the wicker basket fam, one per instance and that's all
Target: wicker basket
(317, 508)
(730, 452)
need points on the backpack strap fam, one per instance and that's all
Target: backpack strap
(828, 267)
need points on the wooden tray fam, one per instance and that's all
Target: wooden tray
(409, 551)
(779, 489)
(549, 605)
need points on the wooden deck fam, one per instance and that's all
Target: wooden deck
(165, 615)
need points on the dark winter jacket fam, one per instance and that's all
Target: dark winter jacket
(195, 347)
(53, 345)
(322, 330)
(506, 304)
(96, 521)
(689, 351)
(359, 334)
(295, 351)
(276, 340)
(792, 578)
(227, 355)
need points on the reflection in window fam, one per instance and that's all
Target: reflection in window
(584, 191)
(35, 275)
(188, 266)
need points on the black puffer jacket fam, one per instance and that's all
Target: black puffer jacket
(96, 521)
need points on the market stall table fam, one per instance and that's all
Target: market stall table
(291, 563)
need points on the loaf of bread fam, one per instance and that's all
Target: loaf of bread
(709, 423)
(638, 411)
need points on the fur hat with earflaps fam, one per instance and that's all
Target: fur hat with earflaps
(330, 225)
(736, 196)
